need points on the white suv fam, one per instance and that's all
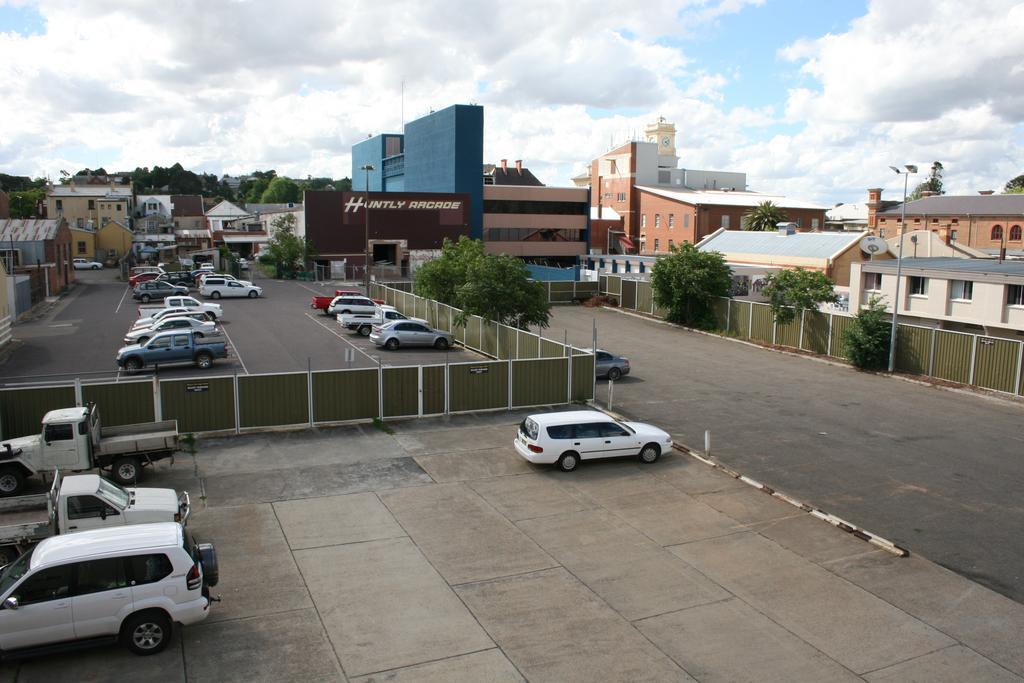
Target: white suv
(127, 583)
(566, 438)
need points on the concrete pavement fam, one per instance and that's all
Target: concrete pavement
(506, 571)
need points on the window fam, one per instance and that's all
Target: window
(117, 207)
(622, 196)
(671, 221)
(588, 430)
(997, 232)
(686, 220)
(956, 221)
(657, 220)
(612, 429)
(60, 205)
(814, 223)
(1015, 233)
(881, 233)
(96, 576)
(84, 507)
(1015, 295)
(873, 282)
(961, 290)
(612, 166)
(952, 235)
(918, 286)
(92, 204)
(726, 221)
(671, 244)
(81, 247)
(148, 568)
(643, 220)
(560, 431)
(656, 245)
(181, 340)
(160, 343)
(49, 584)
(62, 432)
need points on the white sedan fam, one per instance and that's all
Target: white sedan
(85, 264)
(196, 322)
(216, 288)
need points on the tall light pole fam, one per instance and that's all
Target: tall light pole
(910, 168)
(366, 228)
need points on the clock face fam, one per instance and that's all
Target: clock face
(665, 142)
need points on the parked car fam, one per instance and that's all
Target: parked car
(169, 348)
(566, 438)
(216, 287)
(401, 333)
(609, 365)
(363, 322)
(177, 277)
(74, 439)
(196, 322)
(85, 264)
(324, 303)
(351, 303)
(212, 311)
(243, 264)
(156, 289)
(80, 502)
(125, 583)
(138, 278)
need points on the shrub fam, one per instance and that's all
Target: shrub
(866, 341)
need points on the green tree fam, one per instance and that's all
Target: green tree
(791, 291)
(687, 281)
(23, 204)
(289, 251)
(1015, 186)
(932, 184)
(763, 217)
(866, 341)
(493, 287)
(281, 190)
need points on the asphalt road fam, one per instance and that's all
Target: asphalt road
(79, 335)
(937, 471)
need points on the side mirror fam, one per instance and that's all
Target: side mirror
(11, 603)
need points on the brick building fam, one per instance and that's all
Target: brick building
(989, 222)
(40, 248)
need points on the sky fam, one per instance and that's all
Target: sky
(812, 100)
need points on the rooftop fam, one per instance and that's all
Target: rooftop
(975, 205)
(116, 539)
(821, 245)
(956, 265)
(28, 230)
(114, 192)
(723, 198)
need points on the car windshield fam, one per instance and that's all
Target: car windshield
(14, 571)
(114, 493)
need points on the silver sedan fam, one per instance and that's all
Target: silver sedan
(409, 333)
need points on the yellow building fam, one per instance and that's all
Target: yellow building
(113, 241)
(83, 243)
(81, 205)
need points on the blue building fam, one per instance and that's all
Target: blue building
(441, 152)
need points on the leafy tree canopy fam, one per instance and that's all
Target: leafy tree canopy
(491, 286)
(23, 204)
(866, 341)
(281, 190)
(1015, 186)
(19, 183)
(932, 184)
(763, 217)
(687, 281)
(285, 248)
(791, 291)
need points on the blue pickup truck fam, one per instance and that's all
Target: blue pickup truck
(170, 348)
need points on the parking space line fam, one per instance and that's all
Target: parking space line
(126, 290)
(339, 336)
(237, 353)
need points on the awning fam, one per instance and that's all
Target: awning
(625, 241)
(245, 239)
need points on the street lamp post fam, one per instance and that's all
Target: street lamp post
(366, 228)
(910, 168)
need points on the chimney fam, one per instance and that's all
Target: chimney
(930, 193)
(874, 202)
(519, 166)
(504, 165)
(986, 193)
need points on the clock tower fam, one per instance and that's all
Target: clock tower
(663, 134)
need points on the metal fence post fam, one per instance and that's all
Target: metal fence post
(931, 354)
(158, 403)
(238, 420)
(728, 314)
(447, 402)
(510, 383)
(517, 344)
(380, 388)
(1020, 365)
(78, 391)
(750, 322)
(800, 343)
(419, 392)
(309, 390)
(775, 326)
(828, 350)
(568, 372)
(974, 353)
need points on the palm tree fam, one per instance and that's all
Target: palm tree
(764, 216)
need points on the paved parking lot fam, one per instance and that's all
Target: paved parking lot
(936, 471)
(80, 335)
(436, 553)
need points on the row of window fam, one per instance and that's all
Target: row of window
(544, 234)
(59, 203)
(92, 576)
(536, 207)
(1015, 233)
(959, 290)
(671, 220)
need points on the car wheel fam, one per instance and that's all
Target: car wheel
(346, 312)
(126, 471)
(133, 364)
(95, 267)
(143, 340)
(253, 295)
(212, 317)
(391, 344)
(145, 298)
(215, 295)
(12, 479)
(569, 461)
(204, 360)
(650, 453)
(364, 330)
(147, 633)
(614, 374)
(197, 335)
(441, 344)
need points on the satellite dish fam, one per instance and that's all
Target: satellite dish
(873, 245)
